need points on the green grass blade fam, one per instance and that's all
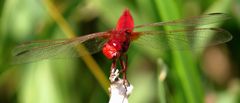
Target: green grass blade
(185, 69)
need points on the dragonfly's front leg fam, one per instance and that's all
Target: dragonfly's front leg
(113, 66)
(123, 62)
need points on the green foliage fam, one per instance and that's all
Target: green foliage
(79, 80)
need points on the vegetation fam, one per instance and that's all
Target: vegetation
(157, 75)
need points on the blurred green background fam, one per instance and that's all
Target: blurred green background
(209, 76)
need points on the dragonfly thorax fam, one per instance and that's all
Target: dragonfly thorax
(115, 47)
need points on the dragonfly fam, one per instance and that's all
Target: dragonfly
(115, 43)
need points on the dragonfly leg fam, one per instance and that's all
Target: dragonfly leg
(113, 73)
(113, 66)
(123, 62)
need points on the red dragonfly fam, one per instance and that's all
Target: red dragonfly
(115, 43)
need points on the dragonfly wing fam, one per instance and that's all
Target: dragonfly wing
(185, 39)
(62, 48)
(192, 21)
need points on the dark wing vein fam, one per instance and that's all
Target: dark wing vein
(184, 39)
(61, 48)
(192, 21)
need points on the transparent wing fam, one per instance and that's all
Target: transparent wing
(192, 21)
(185, 39)
(62, 48)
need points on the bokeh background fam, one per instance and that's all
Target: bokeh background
(207, 76)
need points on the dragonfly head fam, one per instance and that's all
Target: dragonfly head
(110, 51)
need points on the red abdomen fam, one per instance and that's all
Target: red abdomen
(125, 22)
